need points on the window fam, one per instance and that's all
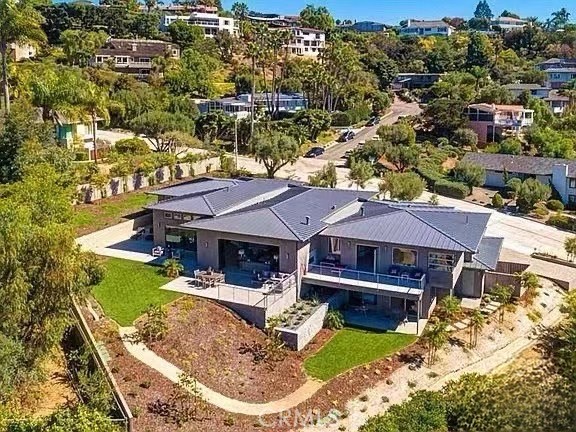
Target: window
(226, 22)
(572, 199)
(187, 217)
(405, 257)
(335, 246)
(572, 183)
(440, 261)
(167, 215)
(177, 216)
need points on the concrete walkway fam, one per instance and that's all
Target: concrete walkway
(170, 371)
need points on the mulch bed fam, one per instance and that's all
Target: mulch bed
(205, 339)
(142, 386)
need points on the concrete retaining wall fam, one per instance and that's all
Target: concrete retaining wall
(297, 339)
(119, 185)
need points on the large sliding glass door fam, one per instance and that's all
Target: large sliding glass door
(367, 258)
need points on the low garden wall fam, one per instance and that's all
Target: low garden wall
(119, 185)
(298, 338)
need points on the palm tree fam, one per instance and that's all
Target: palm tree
(95, 103)
(569, 90)
(503, 295)
(477, 322)
(19, 23)
(436, 337)
(172, 268)
(530, 282)
(240, 11)
(253, 51)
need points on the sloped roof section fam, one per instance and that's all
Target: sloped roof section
(414, 225)
(519, 164)
(488, 254)
(196, 187)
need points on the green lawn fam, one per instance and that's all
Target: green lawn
(128, 288)
(353, 347)
(109, 211)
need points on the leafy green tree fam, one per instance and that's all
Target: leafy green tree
(465, 137)
(275, 150)
(479, 51)
(483, 11)
(530, 192)
(402, 156)
(397, 134)
(552, 143)
(360, 172)
(186, 35)
(471, 174)
(326, 177)
(317, 18)
(193, 75)
(444, 116)
(214, 125)
(402, 186)
(19, 23)
(80, 46)
(159, 128)
(497, 201)
(132, 146)
(511, 146)
(384, 68)
(313, 121)
(425, 411)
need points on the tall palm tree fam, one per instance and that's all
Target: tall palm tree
(569, 90)
(95, 104)
(253, 51)
(19, 23)
(477, 322)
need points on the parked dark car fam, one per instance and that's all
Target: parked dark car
(314, 152)
(373, 121)
(347, 136)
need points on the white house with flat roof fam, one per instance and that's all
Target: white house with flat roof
(211, 23)
(426, 28)
(508, 23)
(306, 42)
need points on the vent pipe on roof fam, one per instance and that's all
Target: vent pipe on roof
(227, 189)
(307, 220)
(362, 211)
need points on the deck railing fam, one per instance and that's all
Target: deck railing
(344, 274)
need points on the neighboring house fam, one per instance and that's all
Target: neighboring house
(557, 102)
(492, 122)
(275, 20)
(19, 52)
(76, 134)
(558, 71)
(391, 260)
(210, 22)
(508, 23)
(561, 173)
(365, 27)
(426, 28)
(415, 80)
(306, 42)
(134, 56)
(240, 105)
(535, 90)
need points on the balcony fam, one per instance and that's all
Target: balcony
(339, 277)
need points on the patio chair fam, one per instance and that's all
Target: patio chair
(416, 274)
(394, 271)
(196, 277)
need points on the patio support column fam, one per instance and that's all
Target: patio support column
(418, 315)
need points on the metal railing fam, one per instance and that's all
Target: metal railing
(344, 274)
(256, 297)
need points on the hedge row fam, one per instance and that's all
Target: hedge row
(451, 189)
(563, 222)
(352, 116)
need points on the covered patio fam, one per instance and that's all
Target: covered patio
(383, 320)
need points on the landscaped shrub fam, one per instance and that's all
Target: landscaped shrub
(341, 119)
(80, 156)
(497, 201)
(132, 146)
(430, 175)
(555, 205)
(334, 319)
(562, 221)
(539, 211)
(451, 189)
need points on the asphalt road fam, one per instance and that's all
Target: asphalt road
(336, 151)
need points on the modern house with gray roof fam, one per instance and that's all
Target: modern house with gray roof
(560, 173)
(390, 260)
(426, 28)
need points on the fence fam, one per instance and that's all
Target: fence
(86, 333)
(119, 185)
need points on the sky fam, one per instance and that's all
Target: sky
(393, 11)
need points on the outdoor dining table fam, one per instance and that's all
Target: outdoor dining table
(211, 279)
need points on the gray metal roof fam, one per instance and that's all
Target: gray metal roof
(230, 198)
(488, 254)
(426, 24)
(196, 186)
(519, 164)
(524, 86)
(293, 215)
(441, 228)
